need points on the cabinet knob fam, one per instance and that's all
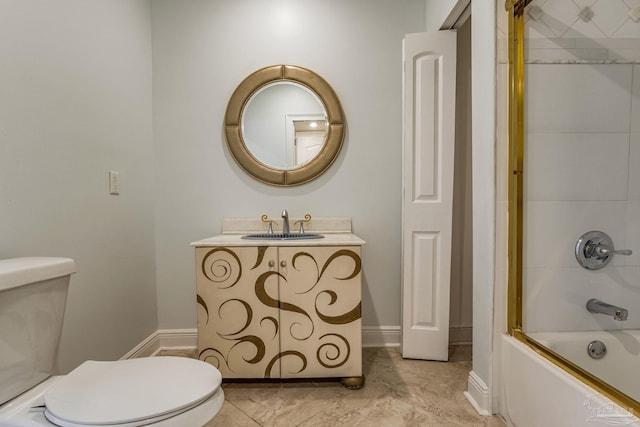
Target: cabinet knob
(283, 264)
(272, 263)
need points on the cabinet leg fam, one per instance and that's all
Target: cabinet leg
(353, 383)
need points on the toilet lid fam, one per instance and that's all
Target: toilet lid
(130, 392)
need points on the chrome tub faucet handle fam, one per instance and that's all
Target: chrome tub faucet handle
(594, 250)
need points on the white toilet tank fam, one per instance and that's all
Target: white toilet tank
(33, 294)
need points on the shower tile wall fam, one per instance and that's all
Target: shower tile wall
(582, 19)
(582, 170)
(582, 173)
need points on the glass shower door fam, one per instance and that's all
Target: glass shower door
(581, 175)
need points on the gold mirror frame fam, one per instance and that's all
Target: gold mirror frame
(335, 125)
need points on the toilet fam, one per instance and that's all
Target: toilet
(152, 391)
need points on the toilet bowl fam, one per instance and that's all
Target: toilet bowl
(155, 391)
(174, 392)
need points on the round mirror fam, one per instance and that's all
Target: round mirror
(284, 125)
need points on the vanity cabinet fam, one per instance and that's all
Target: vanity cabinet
(281, 311)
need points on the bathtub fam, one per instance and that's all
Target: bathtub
(619, 367)
(536, 393)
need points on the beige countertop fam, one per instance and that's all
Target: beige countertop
(335, 232)
(329, 239)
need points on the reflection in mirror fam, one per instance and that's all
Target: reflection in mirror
(284, 125)
(307, 135)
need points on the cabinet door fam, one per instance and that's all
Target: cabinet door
(320, 334)
(238, 321)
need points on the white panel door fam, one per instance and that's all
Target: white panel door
(428, 152)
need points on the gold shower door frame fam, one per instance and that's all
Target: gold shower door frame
(516, 210)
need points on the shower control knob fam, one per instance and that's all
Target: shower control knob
(594, 250)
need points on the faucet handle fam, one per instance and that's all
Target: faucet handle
(307, 218)
(603, 251)
(301, 230)
(265, 218)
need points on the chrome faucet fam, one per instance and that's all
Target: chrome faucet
(597, 306)
(285, 222)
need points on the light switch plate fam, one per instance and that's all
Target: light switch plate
(114, 183)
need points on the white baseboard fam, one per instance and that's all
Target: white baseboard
(381, 336)
(460, 335)
(164, 339)
(372, 336)
(391, 336)
(478, 394)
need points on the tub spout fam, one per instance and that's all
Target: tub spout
(597, 306)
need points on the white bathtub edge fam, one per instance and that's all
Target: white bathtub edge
(538, 393)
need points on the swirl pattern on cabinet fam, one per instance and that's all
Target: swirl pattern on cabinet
(270, 312)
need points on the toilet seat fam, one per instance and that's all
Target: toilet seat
(130, 393)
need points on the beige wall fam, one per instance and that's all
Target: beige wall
(76, 103)
(461, 248)
(201, 51)
(484, 189)
(438, 11)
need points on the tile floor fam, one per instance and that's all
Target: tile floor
(397, 392)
